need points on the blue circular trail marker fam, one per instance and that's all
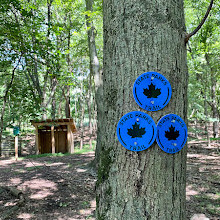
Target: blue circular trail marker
(171, 133)
(152, 91)
(136, 131)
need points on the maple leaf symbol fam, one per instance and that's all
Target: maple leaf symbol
(172, 134)
(136, 131)
(151, 92)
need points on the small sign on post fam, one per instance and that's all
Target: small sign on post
(16, 132)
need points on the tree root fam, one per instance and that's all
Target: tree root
(18, 194)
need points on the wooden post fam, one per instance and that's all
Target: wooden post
(70, 141)
(16, 147)
(37, 141)
(53, 139)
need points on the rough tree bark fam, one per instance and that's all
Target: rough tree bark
(141, 36)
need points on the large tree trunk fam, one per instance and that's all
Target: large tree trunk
(141, 36)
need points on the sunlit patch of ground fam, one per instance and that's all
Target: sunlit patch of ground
(25, 216)
(203, 180)
(54, 187)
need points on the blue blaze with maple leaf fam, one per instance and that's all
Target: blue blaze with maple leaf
(151, 91)
(136, 131)
(172, 134)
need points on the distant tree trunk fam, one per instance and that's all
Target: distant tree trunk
(67, 96)
(94, 117)
(196, 127)
(5, 97)
(53, 104)
(206, 119)
(90, 110)
(60, 110)
(53, 109)
(82, 109)
(44, 102)
(214, 103)
(214, 106)
(2, 116)
(75, 107)
(67, 105)
(141, 36)
(82, 127)
(94, 68)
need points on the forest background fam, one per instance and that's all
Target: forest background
(51, 63)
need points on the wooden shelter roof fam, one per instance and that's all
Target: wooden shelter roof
(55, 122)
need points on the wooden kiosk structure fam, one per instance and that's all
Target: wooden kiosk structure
(54, 136)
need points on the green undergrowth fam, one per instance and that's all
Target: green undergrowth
(209, 203)
(203, 139)
(77, 150)
(86, 149)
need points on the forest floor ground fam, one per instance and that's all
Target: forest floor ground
(63, 187)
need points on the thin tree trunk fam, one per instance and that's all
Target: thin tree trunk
(90, 111)
(53, 107)
(205, 81)
(206, 120)
(196, 127)
(141, 36)
(44, 101)
(67, 105)
(82, 108)
(75, 107)
(82, 127)
(94, 116)
(60, 110)
(67, 96)
(94, 69)
(214, 105)
(8, 87)
(214, 102)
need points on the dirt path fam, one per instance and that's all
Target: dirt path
(54, 187)
(203, 180)
(59, 188)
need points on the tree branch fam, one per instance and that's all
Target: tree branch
(201, 23)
